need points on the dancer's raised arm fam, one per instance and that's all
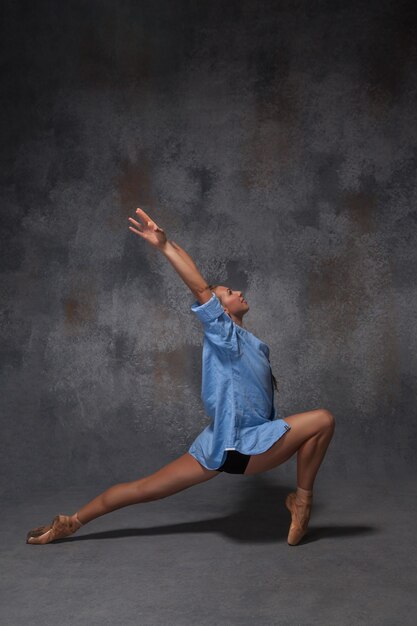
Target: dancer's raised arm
(179, 259)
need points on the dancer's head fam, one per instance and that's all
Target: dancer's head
(232, 301)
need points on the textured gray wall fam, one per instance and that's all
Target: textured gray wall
(274, 141)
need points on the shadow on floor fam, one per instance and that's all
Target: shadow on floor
(260, 517)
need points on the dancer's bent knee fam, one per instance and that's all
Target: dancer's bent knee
(327, 420)
(304, 426)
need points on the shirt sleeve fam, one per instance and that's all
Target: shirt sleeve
(219, 328)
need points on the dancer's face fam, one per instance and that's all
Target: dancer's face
(232, 301)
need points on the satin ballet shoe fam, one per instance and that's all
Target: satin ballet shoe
(300, 515)
(62, 526)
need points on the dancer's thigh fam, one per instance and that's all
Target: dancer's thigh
(180, 474)
(303, 426)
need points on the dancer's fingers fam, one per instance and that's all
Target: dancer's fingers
(144, 216)
(138, 226)
(137, 232)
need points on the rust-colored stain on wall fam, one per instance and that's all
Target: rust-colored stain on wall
(134, 187)
(389, 381)
(335, 286)
(270, 141)
(338, 281)
(169, 373)
(80, 307)
(341, 294)
(361, 206)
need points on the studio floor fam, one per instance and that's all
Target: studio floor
(217, 553)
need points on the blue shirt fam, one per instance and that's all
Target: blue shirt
(237, 390)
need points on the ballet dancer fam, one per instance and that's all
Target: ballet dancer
(244, 436)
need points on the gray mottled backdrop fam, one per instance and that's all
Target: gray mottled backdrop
(274, 141)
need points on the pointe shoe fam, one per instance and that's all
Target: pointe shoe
(62, 526)
(300, 516)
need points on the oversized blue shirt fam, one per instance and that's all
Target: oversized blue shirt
(237, 390)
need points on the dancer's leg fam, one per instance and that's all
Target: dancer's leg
(176, 476)
(311, 454)
(180, 474)
(310, 435)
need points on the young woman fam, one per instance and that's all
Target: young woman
(244, 436)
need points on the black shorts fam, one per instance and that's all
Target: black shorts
(235, 462)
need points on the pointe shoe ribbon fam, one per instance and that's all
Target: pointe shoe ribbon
(62, 526)
(300, 516)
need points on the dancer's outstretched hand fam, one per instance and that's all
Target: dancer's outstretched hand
(148, 229)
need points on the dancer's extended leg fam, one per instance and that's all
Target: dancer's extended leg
(176, 476)
(310, 435)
